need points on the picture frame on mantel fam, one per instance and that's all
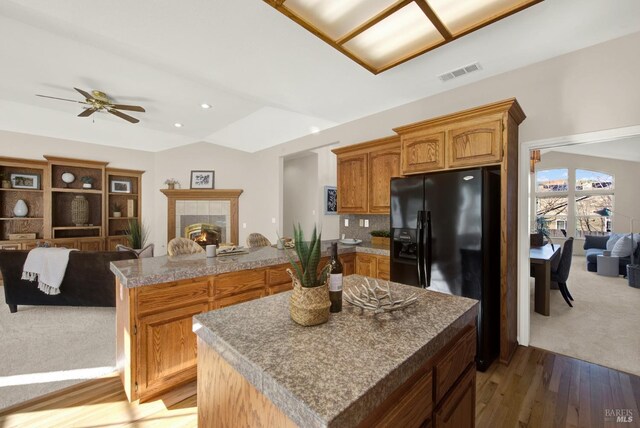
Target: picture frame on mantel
(330, 200)
(203, 179)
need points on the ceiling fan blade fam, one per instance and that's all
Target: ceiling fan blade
(126, 107)
(85, 94)
(87, 112)
(63, 99)
(123, 116)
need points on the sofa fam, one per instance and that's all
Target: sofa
(88, 280)
(596, 245)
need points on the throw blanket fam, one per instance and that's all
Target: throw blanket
(47, 266)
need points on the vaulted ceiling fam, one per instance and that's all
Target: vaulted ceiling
(268, 80)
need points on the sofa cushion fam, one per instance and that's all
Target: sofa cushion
(613, 238)
(592, 254)
(622, 248)
(591, 241)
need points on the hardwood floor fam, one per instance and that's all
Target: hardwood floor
(538, 389)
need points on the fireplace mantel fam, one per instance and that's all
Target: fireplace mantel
(177, 195)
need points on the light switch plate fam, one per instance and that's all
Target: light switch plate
(346, 222)
(244, 225)
(366, 223)
(361, 222)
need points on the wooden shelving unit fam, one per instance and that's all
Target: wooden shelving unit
(49, 205)
(130, 204)
(36, 200)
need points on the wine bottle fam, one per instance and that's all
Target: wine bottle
(335, 280)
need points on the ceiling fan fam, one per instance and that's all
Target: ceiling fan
(99, 101)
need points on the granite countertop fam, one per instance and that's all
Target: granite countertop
(337, 373)
(157, 270)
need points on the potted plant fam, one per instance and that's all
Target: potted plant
(171, 183)
(6, 183)
(87, 182)
(309, 303)
(381, 237)
(117, 210)
(137, 234)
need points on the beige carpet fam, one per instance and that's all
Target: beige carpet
(603, 327)
(46, 348)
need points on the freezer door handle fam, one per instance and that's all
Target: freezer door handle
(420, 252)
(429, 249)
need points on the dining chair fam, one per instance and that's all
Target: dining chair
(255, 240)
(183, 246)
(561, 273)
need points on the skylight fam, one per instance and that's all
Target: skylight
(380, 34)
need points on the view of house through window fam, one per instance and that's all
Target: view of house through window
(566, 197)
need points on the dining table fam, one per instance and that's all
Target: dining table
(541, 259)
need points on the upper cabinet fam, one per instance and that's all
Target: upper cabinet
(470, 138)
(364, 173)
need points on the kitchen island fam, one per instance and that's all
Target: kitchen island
(413, 367)
(157, 297)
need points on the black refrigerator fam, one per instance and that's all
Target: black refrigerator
(445, 230)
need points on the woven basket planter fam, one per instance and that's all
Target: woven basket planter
(633, 274)
(309, 305)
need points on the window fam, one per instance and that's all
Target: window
(593, 192)
(567, 197)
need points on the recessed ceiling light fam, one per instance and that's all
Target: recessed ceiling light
(205, 105)
(177, 125)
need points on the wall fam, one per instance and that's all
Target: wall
(234, 169)
(34, 147)
(355, 231)
(300, 193)
(626, 178)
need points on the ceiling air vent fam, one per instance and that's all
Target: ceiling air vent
(460, 72)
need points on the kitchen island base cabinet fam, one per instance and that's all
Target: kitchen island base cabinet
(227, 398)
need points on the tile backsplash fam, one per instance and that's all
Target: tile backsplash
(376, 222)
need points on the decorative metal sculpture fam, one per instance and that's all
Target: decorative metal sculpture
(376, 298)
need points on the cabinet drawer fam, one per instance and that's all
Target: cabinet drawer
(454, 363)
(223, 302)
(160, 297)
(237, 282)
(275, 289)
(458, 410)
(475, 144)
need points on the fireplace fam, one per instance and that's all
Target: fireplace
(204, 234)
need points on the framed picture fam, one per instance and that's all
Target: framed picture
(203, 179)
(25, 181)
(330, 200)
(120, 186)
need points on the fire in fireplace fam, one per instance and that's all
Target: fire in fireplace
(203, 234)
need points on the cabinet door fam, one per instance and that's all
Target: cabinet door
(475, 144)
(383, 164)
(223, 302)
(114, 241)
(459, 408)
(423, 153)
(91, 245)
(352, 184)
(167, 347)
(66, 243)
(384, 268)
(348, 264)
(366, 265)
(15, 246)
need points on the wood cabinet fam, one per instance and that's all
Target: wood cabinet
(372, 265)
(459, 408)
(384, 163)
(49, 203)
(423, 153)
(353, 183)
(348, 263)
(364, 173)
(475, 144)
